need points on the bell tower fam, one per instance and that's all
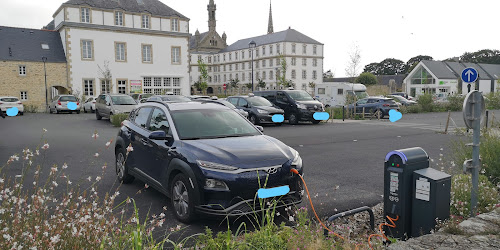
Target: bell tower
(211, 15)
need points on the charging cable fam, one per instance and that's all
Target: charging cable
(382, 234)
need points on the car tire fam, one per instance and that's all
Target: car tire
(279, 123)
(50, 110)
(316, 122)
(97, 116)
(121, 169)
(78, 111)
(375, 113)
(84, 110)
(182, 198)
(254, 120)
(292, 119)
(22, 113)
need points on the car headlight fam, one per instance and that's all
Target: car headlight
(297, 161)
(215, 166)
(215, 184)
(301, 106)
(262, 111)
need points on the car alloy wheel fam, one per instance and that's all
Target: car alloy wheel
(293, 119)
(97, 116)
(121, 169)
(182, 198)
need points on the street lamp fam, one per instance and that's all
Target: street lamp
(44, 59)
(251, 45)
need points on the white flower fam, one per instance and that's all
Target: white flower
(108, 143)
(69, 182)
(65, 166)
(37, 152)
(95, 135)
(96, 155)
(98, 178)
(146, 185)
(277, 213)
(54, 183)
(441, 149)
(162, 215)
(130, 148)
(55, 239)
(290, 218)
(30, 162)
(44, 130)
(45, 146)
(19, 176)
(89, 178)
(104, 167)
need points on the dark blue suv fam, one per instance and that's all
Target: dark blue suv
(206, 157)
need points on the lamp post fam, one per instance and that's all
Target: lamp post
(251, 45)
(44, 59)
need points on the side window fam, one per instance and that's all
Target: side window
(363, 101)
(101, 99)
(242, 102)
(371, 101)
(280, 96)
(234, 101)
(159, 121)
(141, 116)
(108, 100)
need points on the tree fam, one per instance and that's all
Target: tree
(329, 74)
(234, 84)
(371, 68)
(248, 85)
(410, 65)
(203, 77)
(354, 60)
(366, 78)
(261, 84)
(106, 76)
(389, 66)
(281, 76)
(482, 56)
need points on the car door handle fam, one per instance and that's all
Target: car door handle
(146, 142)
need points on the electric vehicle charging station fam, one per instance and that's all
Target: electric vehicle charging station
(398, 186)
(430, 201)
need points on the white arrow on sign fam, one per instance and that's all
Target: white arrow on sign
(468, 73)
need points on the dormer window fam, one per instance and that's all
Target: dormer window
(45, 46)
(174, 23)
(119, 18)
(85, 15)
(145, 21)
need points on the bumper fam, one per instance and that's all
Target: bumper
(308, 115)
(65, 108)
(19, 108)
(266, 118)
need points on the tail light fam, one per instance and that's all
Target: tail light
(93, 102)
(77, 103)
(59, 103)
(386, 105)
(1, 103)
(19, 103)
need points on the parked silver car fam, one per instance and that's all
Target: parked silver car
(89, 105)
(60, 104)
(111, 104)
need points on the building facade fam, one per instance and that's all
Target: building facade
(27, 58)
(445, 77)
(124, 46)
(225, 63)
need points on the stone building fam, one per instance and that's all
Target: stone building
(303, 55)
(22, 56)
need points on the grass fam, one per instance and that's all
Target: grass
(117, 119)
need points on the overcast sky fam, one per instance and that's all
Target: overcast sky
(381, 28)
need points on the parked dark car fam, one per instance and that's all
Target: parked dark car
(297, 104)
(402, 100)
(227, 104)
(259, 109)
(403, 94)
(168, 98)
(205, 157)
(375, 105)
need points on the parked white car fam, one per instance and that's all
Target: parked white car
(7, 102)
(89, 105)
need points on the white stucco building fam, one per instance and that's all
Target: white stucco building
(303, 55)
(144, 42)
(445, 77)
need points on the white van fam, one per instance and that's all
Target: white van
(333, 94)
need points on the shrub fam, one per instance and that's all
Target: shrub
(493, 100)
(337, 112)
(455, 102)
(461, 186)
(30, 108)
(426, 102)
(117, 119)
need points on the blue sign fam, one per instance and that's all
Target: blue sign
(469, 75)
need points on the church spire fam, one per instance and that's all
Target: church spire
(270, 24)
(211, 15)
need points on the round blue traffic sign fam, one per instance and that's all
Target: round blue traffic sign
(469, 75)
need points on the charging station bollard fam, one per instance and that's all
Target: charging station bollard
(431, 200)
(398, 186)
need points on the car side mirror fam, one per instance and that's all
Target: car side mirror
(159, 135)
(260, 128)
(108, 104)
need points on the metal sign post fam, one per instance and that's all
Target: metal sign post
(473, 110)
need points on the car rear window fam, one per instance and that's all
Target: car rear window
(9, 99)
(67, 99)
(123, 100)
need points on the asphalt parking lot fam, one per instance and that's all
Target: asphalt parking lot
(343, 160)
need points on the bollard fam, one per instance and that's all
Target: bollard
(487, 113)
(343, 113)
(363, 112)
(447, 122)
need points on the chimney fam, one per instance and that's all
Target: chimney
(10, 51)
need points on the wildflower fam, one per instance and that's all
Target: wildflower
(108, 143)
(69, 182)
(160, 223)
(290, 218)
(146, 185)
(53, 170)
(19, 176)
(98, 178)
(165, 207)
(54, 183)
(44, 130)
(89, 178)
(37, 152)
(65, 166)
(178, 227)
(104, 167)
(1, 180)
(130, 148)
(96, 155)
(30, 162)
(45, 146)
(162, 215)
(128, 201)
(277, 213)
(95, 135)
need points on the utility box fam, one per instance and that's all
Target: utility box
(398, 185)
(431, 200)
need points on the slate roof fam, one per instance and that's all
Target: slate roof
(49, 26)
(453, 70)
(382, 79)
(289, 35)
(192, 40)
(19, 44)
(155, 7)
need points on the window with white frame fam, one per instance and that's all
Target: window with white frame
(166, 82)
(257, 52)
(174, 24)
(277, 61)
(224, 57)
(230, 56)
(230, 67)
(176, 81)
(157, 81)
(224, 67)
(243, 76)
(119, 18)
(264, 75)
(263, 51)
(263, 63)
(294, 61)
(249, 75)
(22, 70)
(257, 75)
(148, 91)
(120, 52)
(304, 62)
(85, 15)
(278, 48)
(242, 54)
(315, 74)
(236, 55)
(271, 62)
(304, 49)
(88, 87)
(24, 95)
(270, 49)
(122, 86)
(176, 55)
(236, 76)
(293, 74)
(315, 62)
(177, 92)
(157, 91)
(304, 74)
(209, 59)
(145, 21)
(147, 81)
(147, 53)
(105, 86)
(235, 66)
(315, 48)
(242, 66)
(293, 48)
(257, 64)
(87, 49)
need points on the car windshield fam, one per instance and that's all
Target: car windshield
(259, 101)
(146, 96)
(227, 104)
(123, 100)
(210, 124)
(300, 95)
(175, 98)
(67, 99)
(9, 99)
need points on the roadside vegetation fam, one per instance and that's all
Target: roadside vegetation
(117, 119)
